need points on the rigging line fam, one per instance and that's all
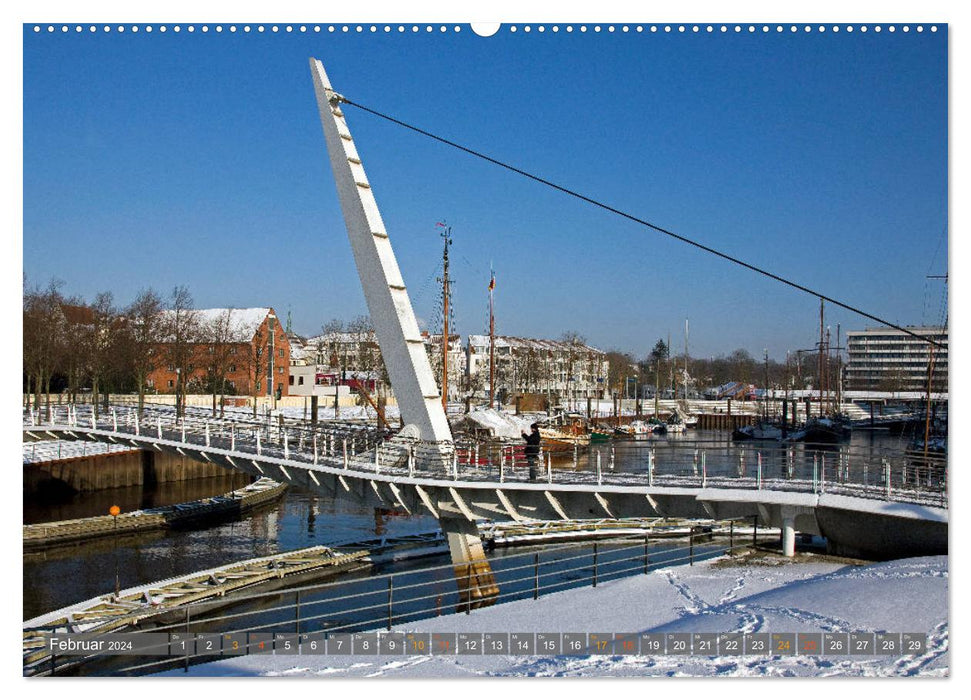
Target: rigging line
(630, 217)
(938, 249)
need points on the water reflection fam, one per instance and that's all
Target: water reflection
(42, 509)
(57, 577)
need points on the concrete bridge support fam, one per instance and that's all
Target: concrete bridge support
(790, 519)
(473, 575)
(788, 531)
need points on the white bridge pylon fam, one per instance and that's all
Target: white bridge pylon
(395, 326)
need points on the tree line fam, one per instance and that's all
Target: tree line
(76, 347)
(665, 371)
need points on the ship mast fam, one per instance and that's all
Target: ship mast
(765, 390)
(492, 339)
(686, 364)
(930, 381)
(829, 372)
(447, 236)
(839, 372)
(819, 358)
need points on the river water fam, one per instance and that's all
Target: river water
(63, 575)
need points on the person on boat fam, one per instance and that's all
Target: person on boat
(532, 449)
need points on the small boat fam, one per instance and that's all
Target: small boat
(572, 432)
(633, 429)
(598, 435)
(689, 420)
(657, 426)
(676, 424)
(833, 429)
(759, 431)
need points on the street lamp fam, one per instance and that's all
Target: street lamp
(114, 512)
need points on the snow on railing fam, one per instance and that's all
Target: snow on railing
(900, 478)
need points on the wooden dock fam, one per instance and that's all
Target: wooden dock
(230, 504)
(554, 531)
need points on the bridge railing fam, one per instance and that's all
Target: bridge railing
(812, 469)
(337, 610)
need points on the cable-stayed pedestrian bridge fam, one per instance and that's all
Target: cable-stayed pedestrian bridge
(884, 508)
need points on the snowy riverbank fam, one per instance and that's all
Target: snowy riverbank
(765, 594)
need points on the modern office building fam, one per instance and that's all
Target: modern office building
(885, 359)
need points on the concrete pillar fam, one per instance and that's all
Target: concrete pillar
(787, 520)
(788, 534)
(473, 575)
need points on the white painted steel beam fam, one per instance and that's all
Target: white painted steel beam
(394, 320)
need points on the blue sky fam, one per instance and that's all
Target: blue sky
(198, 159)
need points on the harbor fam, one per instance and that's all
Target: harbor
(548, 365)
(301, 520)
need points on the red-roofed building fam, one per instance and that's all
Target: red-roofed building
(245, 348)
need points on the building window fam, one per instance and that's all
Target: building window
(170, 368)
(171, 384)
(279, 370)
(300, 381)
(232, 368)
(212, 349)
(291, 380)
(280, 352)
(232, 349)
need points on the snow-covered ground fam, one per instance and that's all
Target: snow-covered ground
(768, 594)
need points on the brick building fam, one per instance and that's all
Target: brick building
(236, 351)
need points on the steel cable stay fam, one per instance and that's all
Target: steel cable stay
(637, 220)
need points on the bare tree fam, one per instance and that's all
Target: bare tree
(180, 332)
(576, 345)
(77, 356)
(331, 350)
(44, 337)
(621, 367)
(361, 331)
(256, 362)
(220, 334)
(102, 344)
(143, 334)
(527, 368)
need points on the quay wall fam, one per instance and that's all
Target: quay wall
(114, 470)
